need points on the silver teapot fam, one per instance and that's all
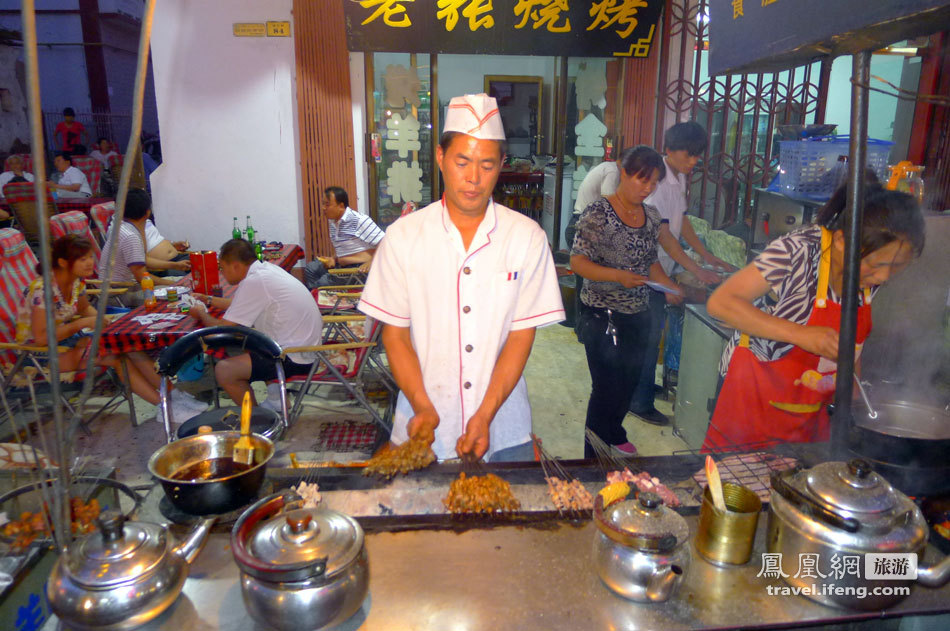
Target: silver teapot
(301, 568)
(641, 548)
(122, 576)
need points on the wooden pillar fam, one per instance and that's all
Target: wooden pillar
(325, 113)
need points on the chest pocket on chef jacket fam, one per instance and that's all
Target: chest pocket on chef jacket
(504, 291)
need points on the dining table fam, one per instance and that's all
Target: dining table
(144, 330)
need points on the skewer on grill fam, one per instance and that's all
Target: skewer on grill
(567, 493)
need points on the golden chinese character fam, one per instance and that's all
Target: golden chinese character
(389, 9)
(543, 13)
(449, 11)
(609, 12)
(737, 9)
(766, 3)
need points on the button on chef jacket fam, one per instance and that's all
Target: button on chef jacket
(460, 306)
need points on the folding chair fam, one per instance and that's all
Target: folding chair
(91, 168)
(101, 215)
(335, 299)
(22, 369)
(21, 197)
(218, 338)
(343, 364)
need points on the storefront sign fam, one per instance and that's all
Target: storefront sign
(769, 35)
(576, 28)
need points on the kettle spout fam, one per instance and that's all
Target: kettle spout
(191, 546)
(663, 582)
(935, 575)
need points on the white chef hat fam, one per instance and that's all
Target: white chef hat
(476, 115)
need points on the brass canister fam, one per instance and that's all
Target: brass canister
(726, 539)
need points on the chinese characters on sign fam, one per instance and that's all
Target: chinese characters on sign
(737, 9)
(393, 12)
(579, 28)
(884, 566)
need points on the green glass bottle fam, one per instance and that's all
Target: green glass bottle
(236, 230)
(249, 231)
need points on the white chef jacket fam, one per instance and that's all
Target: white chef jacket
(460, 306)
(670, 199)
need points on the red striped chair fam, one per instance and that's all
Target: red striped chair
(23, 373)
(26, 158)
(101, 217)
(21, 196)
(91, 168)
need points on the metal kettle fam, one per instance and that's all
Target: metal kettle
(640, 551)
(122, 576)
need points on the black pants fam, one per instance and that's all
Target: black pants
(614, 369)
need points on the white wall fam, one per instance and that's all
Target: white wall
(229, 132)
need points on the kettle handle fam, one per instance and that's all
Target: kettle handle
(809, 506)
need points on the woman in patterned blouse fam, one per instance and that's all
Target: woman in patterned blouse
(73, 260)
(780, 368)
(615, 252)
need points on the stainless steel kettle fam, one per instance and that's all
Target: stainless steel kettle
(122, 576)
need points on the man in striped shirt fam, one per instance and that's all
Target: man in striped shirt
(354, 236)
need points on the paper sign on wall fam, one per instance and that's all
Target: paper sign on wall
(278, 29)
(246, 29)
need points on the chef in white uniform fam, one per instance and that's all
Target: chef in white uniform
(461, 286)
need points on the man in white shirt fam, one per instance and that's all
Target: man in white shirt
(461, 286)
(103, 152)
(270, 300)
(16, 172)
(72, 182)
(684, 143)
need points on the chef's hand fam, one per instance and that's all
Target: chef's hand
(820, 340)
(707, 277)
(422, 425)
(630, 279)
(474, 442)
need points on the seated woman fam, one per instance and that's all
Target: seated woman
(74, 260)
(615, 251)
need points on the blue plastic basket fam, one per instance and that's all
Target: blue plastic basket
(811, 167)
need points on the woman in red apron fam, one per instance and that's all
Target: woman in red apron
(781, 364)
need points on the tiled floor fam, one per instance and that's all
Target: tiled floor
(558, 386)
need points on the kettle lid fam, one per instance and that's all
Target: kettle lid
(120, 552)
(851, 486)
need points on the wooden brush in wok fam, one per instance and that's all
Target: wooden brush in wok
(244, 448)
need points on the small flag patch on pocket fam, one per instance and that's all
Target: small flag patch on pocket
(512, 275)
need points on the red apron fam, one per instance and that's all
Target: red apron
(783, 400)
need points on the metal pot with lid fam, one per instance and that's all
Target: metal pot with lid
(826, 521)
(301, 568)
(122, 576)
(640, 549)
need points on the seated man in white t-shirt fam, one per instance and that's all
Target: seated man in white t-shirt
(72, 182)
(130, 248)
(270, 300)
(103, 152)
(164, 257)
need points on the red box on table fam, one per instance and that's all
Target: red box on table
(204, 270)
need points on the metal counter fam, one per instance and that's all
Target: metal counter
(524, 578)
